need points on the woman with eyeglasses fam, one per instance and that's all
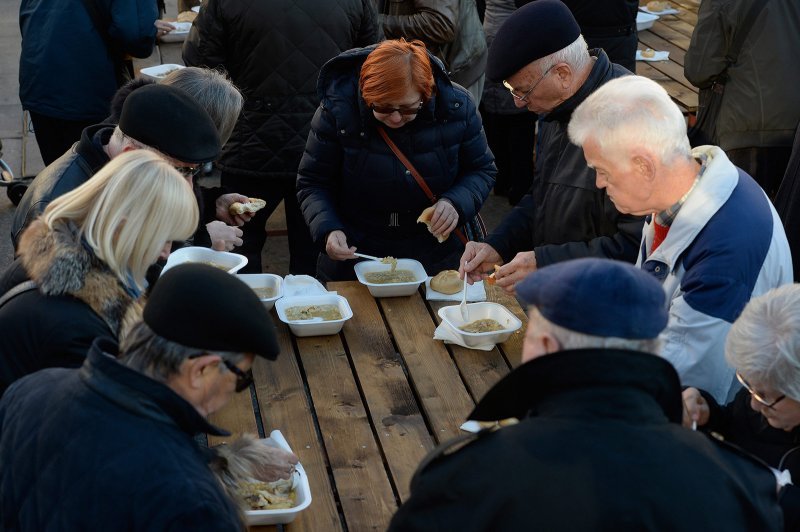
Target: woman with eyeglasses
(81, 265)
(763, 346)
(356, 193)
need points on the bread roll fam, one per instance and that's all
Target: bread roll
(657, 5)
(425, 218)
(446, 282)
(186, 16)
(649, 53)
(253, 205)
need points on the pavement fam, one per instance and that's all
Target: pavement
(21, 152)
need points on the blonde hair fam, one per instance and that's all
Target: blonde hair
(128, 211)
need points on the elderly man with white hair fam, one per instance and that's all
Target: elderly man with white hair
(712, 237)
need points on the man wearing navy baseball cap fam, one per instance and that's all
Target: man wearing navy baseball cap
(543, 60)
(598, 444)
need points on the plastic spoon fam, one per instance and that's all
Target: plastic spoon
(463, 306)
(370, 257)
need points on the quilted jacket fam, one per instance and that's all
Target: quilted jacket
(273, 52)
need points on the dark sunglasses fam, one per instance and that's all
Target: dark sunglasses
(189, 171)
(243, 378)
(403, 111)
(755, 395)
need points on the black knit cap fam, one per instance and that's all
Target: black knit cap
(533, 31)
(200, 306)
(169, 120)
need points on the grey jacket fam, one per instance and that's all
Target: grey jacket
(760, 107)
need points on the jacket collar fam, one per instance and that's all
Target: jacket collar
(90, 146)
(601, 72)
(587, 382)
(138, 393)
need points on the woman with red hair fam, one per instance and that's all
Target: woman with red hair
(355, 192)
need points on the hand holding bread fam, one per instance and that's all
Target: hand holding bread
(252, 205)
(440, 218)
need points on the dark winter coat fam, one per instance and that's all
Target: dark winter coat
(743, 426)
(787, 203)
(350, 180)
(66, 70)
(566, 216)
(77, 300)
(599, 447)
(105, 448)
(66, 173)
(273, 52)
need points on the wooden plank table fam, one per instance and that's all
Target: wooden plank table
(671, 33)
(362, 408)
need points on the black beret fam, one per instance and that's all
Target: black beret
(200, 306)
(533, 31)
(169, 120)
(600, 297)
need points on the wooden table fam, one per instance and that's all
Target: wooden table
(363, 407)
(671, 33)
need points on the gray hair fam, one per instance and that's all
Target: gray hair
(570, 339)
(764, 342)
(576, 55)
(214, 92)
(158, 358)
(632, 110)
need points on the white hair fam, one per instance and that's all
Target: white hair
(569, 339)
(764, 342)
(576, 55)
(632, 110)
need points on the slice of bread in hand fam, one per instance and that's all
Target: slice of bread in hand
(252, 205)
(425, 218)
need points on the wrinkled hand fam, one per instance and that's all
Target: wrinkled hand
(162, 27)
(224, 237)
(274, 464)
(515, 271)
(444, 218)
(477, 259)
(695, 408)
(336, 246)
(224, 203)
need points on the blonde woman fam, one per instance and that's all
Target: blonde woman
(81, 265)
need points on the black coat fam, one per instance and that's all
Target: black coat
(565, 216)
(66, 173)
(599, 447)
(105, 448)
(273, 52)
(743, 426)
(350, 180)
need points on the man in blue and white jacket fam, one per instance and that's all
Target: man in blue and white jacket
(712, 237)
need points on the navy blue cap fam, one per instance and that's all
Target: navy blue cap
(600, 297)
(533, 31)
(200, 306)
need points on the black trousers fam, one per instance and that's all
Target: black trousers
(302, 253)
(511, 138)
(55, 136)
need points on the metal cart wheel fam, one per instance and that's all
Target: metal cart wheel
(15, 192)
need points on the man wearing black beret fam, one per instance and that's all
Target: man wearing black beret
(541, 57)
(112, 443)
(598, 443)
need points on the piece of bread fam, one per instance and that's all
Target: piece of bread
(657, 5)
(253, 205)
(649, 53)
(186, 16)
(447, 282)
(425, 218)
(491, 279)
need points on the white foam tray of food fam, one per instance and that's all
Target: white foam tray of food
(265, 280)
(314, 326)
(302, 492)
(391, 289)
(158, 72)
(231, 262)
(480, 311)
(645, 21)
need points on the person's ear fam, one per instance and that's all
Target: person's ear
(199, 369)
(550, 343)
(565, 75)
(644, 165)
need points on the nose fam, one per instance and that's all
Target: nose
(601, 182)
(165, 251)
(755, 405)
(519, 104)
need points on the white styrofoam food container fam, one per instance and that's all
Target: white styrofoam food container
(265, 280)
(158, 72)
(391, 289)
(181, 27)
(645, 21)
(314, 327)
(232, 262)
(479, 311)
(301, 489)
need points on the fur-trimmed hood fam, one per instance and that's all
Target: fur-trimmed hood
(60, 264)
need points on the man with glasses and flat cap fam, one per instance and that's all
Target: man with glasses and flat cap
(541, 57)
(111, 444)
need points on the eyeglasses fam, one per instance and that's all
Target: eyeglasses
(755, 395)
(243, 378)
(405, 111)
(189, 171)
(524, 97)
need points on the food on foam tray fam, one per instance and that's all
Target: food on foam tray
(307, 312)
(268, 495)
(390, 260)
(264, 292)
(481, 326)
(396, 276)
(446, 282)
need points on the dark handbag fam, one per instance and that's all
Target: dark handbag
(704, 130)
(472, 230)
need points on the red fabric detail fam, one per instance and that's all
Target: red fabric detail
(659, 234)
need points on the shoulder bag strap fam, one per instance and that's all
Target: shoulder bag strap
(417, 177)
(24, 286)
